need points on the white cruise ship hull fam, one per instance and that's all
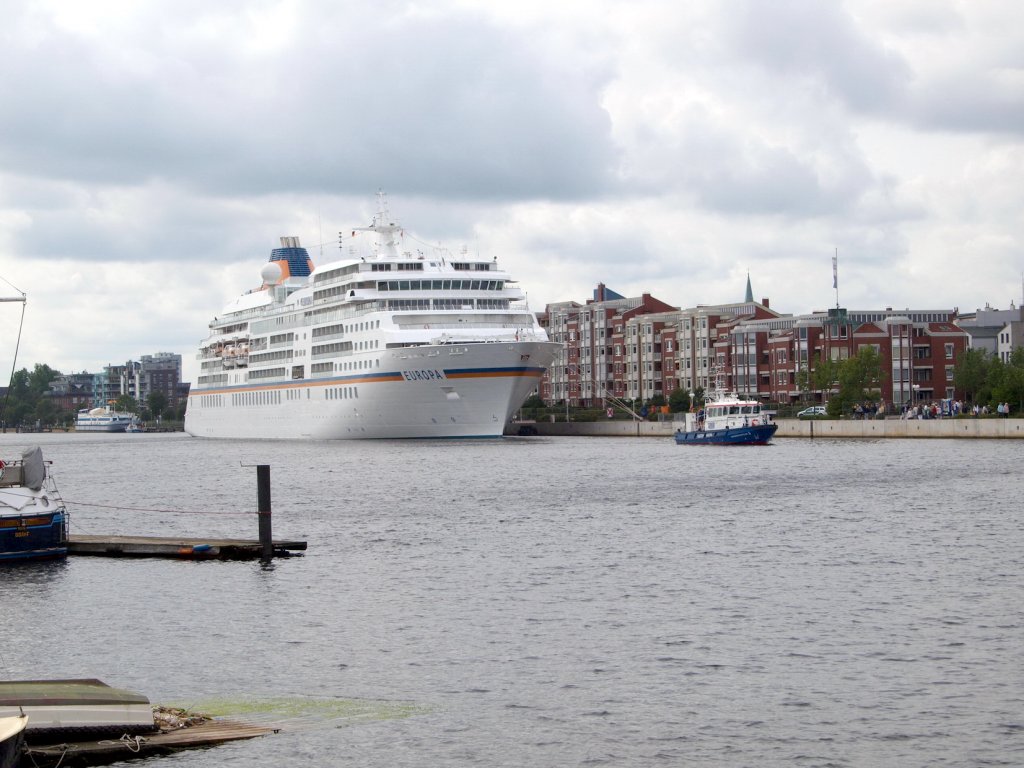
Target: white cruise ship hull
(455, 390)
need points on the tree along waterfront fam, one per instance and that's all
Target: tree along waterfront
(29, 403)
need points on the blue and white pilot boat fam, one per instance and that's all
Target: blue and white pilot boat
(33, 520)
(727, 419)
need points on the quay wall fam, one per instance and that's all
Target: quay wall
(985, 429)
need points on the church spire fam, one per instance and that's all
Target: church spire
(750, 292)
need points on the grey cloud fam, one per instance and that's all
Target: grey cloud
(770, 180)
(822, 44)
(970, 102)
(734, 169)
(451, 106)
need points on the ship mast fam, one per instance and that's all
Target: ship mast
(387, 230)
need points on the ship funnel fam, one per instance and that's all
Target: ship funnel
(292, 258)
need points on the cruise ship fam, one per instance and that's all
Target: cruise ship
(390, 343)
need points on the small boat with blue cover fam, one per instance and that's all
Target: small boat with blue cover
(727, 419)
(33, 520)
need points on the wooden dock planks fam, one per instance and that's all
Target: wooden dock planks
(187, 548)
(112, 750)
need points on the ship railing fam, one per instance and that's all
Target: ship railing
(463, 338)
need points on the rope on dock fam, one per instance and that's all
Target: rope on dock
(129, 742)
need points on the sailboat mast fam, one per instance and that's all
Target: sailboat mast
(17, 345)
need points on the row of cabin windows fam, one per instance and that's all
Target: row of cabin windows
(331, 330)
(269, 397)
(405, 305)
(416, 266)
(440, 285)
(341, 393)
(274, 397)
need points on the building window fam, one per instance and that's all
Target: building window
(949, 351)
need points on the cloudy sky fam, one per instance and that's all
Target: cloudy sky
(151, 154)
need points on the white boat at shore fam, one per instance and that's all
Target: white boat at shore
(12, 739)
(67, 708)
(102, 419)
(390, 344)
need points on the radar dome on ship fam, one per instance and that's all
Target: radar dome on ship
(271, 273)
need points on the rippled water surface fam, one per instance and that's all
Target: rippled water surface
(553, 601)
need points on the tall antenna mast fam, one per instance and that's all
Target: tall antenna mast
(835, 275)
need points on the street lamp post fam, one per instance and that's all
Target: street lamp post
(568, 371)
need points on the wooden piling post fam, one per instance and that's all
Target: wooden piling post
(263, 511)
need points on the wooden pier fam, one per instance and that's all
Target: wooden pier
(188, 549)
(264, 548)
(87, 753)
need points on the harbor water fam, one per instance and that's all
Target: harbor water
(552, 601)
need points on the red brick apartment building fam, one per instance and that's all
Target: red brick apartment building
(920, 348)
(615, 348)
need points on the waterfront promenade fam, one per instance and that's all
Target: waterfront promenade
(987, 429)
